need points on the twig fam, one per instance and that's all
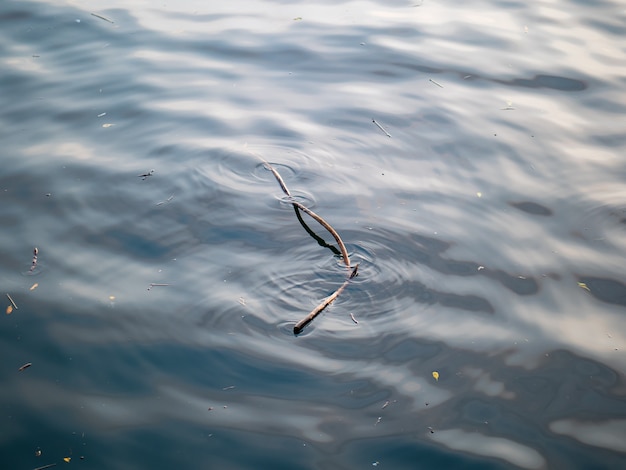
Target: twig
(306, 210)
(102, 18)
(25, 366)
(438, 84)
(12, 302)
(325, 303)
(326, 225)
(381, 128)
(46, 466)
(153, 284)
(278, 178)
(353, 319)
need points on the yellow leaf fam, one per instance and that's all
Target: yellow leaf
(436, 375)
(582, 285)
(67, 459)
(9, 309)
(34, 286)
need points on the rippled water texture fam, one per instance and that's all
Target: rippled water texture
(471, 156)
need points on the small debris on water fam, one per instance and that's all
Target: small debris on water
(166, 201)
(242, 301)
(432, 431)
(143, 176)
(12, 302)
(381, 128)
(46, 466)
(34, 262)
(436, 83)
(103, 18)
(34, 286)
(356, 322)
(25, 366)
(102, 114)
(230, 387)
(9, 309)
(436, 375)
(154, 284)
(385, 405)
(582, 285)
(107, 125)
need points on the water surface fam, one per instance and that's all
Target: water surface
(487, 214)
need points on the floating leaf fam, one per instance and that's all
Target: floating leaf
(34, 286)
(582, 285)
(436, 375)
(9, 309)
(67, 459)
(107, 125)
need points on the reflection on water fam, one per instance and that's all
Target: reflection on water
(159, 318)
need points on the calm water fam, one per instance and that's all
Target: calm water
(488, 216)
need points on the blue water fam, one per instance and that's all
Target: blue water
(485, 206)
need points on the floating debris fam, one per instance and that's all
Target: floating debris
(67, 459)
(146, 175)
(436, 375)
(166, 201)
(344, 253)
(105, 19)
(34, 286)
(9, 309)
(46, 466)
(25, 366)
(325, 303)
(102, 114)
(155, 284)
(385, 405)
(436, 83)
(12, 302)
(107, 125)
(381, 128)
(582, 285)
(34, 263)
(354, 320)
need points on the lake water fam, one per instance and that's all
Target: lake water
(471, 156)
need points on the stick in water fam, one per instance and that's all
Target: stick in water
(325, 303)
(321, 221)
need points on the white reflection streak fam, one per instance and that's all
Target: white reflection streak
(609, 434)
(495, 447)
